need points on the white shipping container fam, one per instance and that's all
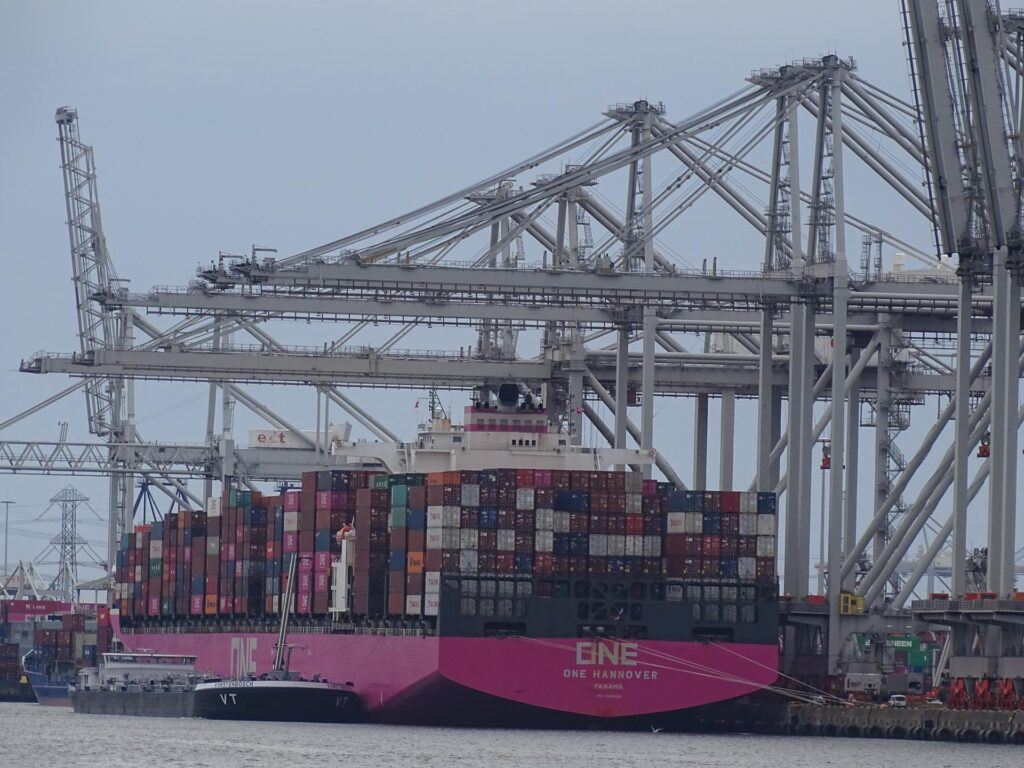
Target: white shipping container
(524, 498)
(599, 544)
(748, 502)
(213, 545)
(544, 520)
(675, 522)
(291, 521)
(467, 561)
(450, 538)
(634, 482)
(435, 538)
(435, 517)
(560, 522)
(413, 605)
(634, 503)
(155, 549)
(471, 495)
(634, 545)
(468, 538)
(506, 540)
(616, 545)
(432, 582)
(213, 506)
(694, 522)
(747, 567)
(748, 524)
(652, 546)
(451, 517)
(766, 546)
(431, 605)
(766, 525)
(544, 541)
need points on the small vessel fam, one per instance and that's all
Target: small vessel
(279, 695)
(287, 700)
(139, 684)
(50, 678)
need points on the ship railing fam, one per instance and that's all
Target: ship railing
(336, 628)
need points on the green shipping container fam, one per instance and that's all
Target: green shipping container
(399, 496)
(398, 516)
(904, 643)
(380, 482)
(919, 659)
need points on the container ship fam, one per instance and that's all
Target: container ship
(512, 583)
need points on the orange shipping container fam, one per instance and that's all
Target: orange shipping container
(414, 562)
(210, 606)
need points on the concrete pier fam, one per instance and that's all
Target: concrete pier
(928, 723)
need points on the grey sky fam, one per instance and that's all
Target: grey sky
(219, 125)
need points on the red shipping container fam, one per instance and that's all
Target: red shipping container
(321, 601)
(239, 605)
(291, 501)
(524, 478)
(634, 525)
(765, 568)
(291, 542)
(322, 521)
(196, 605)
(711, 546)
(321, 581)
(598, 523)
(417, 497)
(711, 566)
(676, 544)
(730, 501)
(322, 500)
(396, 604)
(154, 606)
(322, 561)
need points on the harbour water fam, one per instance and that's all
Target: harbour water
(32, 736)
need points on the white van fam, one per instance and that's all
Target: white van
(898, 701)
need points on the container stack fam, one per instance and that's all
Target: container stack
(231, 560)
(10, 662)
(70, 639)
(370, 587)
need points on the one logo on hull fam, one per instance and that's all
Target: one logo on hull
(602, 652)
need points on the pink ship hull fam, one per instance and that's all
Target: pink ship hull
(397, 674)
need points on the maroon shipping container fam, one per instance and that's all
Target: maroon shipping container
(730, 501)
